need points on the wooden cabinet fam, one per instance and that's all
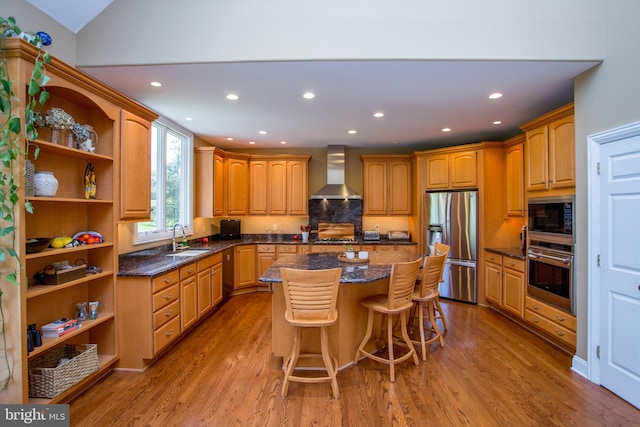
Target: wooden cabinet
(66, 213)
(550, 151)
(451, 169)
(514, 157)
(188, 296)
(265, 258)
(387, 184)
(236, 172)
(209, 183)
(135, 167)
(278, 185)
(216, 283)
(245, 266)
(554, 322)
(505, 282)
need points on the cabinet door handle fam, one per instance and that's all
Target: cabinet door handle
(168, 313)
(559, 333)
(561, 319)
(169, 295)
(169, 333)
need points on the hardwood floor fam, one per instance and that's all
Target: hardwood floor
(490, 373)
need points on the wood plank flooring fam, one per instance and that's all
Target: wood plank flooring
(491, 372)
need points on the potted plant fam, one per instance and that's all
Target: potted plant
(349, 251)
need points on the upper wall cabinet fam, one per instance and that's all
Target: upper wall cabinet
(278, 185)
(449, 170)
(387, 184)
(550, 151)
(135, 168)
(236, 190)
(514, 155)
(209, 185)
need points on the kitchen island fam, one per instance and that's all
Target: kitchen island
(358, 280)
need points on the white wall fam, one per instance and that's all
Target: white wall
(607, 96)
(163, 31)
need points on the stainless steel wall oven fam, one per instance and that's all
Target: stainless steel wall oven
(551, 273)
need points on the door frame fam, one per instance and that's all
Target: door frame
(595, 142)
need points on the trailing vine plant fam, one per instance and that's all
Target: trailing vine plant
(12, 152)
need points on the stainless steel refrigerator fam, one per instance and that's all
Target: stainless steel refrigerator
(451, 218)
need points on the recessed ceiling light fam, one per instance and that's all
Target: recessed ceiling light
(352, 131)
(495, 95)
(378, 115)
(252, 142)
(262, 132)
(232, 97)
(446, 129)
(155, 84)
(497, 122)
(309, 95)
(229, 139)
(189, 119)
(283, 142)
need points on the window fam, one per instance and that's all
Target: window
(171, 183)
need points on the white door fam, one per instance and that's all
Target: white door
(620, 267)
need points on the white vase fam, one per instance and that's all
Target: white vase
(44, 184)
(305, 236)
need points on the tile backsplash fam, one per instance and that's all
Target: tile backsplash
(336, 211)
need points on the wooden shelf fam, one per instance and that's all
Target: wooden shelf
(48, 147)
(49, 251)
(37, 290)
(68, 200)
(49, 343)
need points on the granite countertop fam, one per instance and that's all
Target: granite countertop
(156, 261)
(378, 267)
(510, 252)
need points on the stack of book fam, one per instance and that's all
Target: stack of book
(59, 327)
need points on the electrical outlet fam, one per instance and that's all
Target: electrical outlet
(377, 227)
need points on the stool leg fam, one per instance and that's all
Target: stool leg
(405, 335)
(328, 362)
(441, 314)
(291, 362)
(367, 335)
(422, 337)
(392, 374)
(431, 306)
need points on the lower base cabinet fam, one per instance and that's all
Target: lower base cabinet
(156, 311)
(245, 268)
(505, 283)
(557, 323)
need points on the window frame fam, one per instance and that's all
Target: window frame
(163, 127)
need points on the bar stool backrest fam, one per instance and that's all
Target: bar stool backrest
(431, 274)
(402, 282)
(310, 295)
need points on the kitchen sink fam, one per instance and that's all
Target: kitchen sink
(188, 252)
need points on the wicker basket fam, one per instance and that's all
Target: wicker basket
(47, 379)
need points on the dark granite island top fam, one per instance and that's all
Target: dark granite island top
(378, 267)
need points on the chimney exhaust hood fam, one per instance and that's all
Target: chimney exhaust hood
(335, 188)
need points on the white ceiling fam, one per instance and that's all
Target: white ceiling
(418, 98)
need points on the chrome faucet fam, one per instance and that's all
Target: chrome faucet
(173, 239)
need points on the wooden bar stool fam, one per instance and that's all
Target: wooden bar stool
(425, 296)
(310, 298)
(396, 301)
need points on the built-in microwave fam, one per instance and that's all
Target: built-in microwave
(551, 217)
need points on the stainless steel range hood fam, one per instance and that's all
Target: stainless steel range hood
(335, 187)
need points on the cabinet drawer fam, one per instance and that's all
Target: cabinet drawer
(165, 297)
(266, 248)
(492, 257)
(556, 330)
(557, 316)
(384, 248)
(209, 261)
(164, 281)
(165, 314)
(187, 270)
(513, 263)
(287, 249)
(165, 334)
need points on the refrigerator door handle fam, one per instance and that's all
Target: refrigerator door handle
(462, 262)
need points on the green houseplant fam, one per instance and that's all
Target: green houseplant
(13, 153)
